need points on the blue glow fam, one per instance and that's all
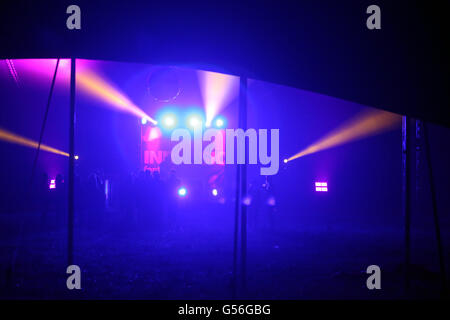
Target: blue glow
(194, 121)
(194, 118)
(168, 119)
(182, 192)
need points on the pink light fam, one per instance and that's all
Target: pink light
(43, 69)
(87, 81)
(13, 71)
(52, 184)
(154, 133)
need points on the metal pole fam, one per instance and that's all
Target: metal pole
(435, 213)
(41, 135)
(240, 209)
(418, 162)
(406, 197)
(236, 229)
(243, 125)
(71, 164)
(11, 269)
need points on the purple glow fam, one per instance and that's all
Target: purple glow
(271, 201)
(107, 189)
(52, 184)
(247, 200)
(13, 71)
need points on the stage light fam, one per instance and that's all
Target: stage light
(52, 184)
(194, 121)
(321, 186)
(220, 122)
(214, 192)
(363, 125)
(169, 121)
(182, 192)
(285, 160)
(76, 157)
(144, 121)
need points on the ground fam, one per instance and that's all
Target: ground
(194, 261)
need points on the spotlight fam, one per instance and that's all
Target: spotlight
(361, 126)
(182, 191)
(285, 160)
(76, 157)
(168, 121)
(194, 121)
(214, 192)
(321, 186)
(52, 184)
(144, 121)
(220, 122)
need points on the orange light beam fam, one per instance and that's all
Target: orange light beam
(95, 85)
(364, 125)
(14, 138)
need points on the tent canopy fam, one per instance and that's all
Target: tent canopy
(321, 46)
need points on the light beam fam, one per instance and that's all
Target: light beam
(364, 125)
(16, 139)
(100, 88)
(216, 89)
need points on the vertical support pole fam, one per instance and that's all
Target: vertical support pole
(435, 212)
(41, 135)
(243, 125)
(70, 204)
(418, 183)
(406, 197)
(236, 230)
(240, 209)
(141, 155)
